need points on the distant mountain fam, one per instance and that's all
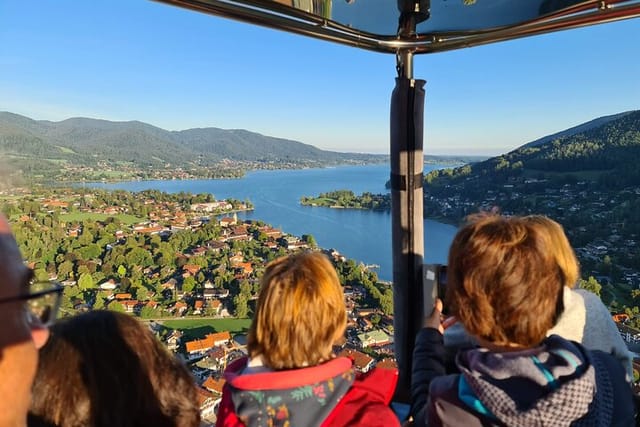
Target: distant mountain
(89, 141)
(606, 150)
(587, 178)
(595, 123)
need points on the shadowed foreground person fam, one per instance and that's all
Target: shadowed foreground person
(21, 329)
(291, 378)
(106, 369)
(506, 288)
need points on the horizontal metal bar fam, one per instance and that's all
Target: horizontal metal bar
(325, 30)
(271, 14)
(532, 29)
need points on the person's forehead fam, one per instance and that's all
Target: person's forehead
(15, 279)
(14, 275)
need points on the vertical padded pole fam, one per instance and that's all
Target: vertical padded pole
(407, 221)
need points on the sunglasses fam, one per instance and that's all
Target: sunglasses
(42, 301)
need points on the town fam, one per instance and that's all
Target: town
(187, 266)
(597, 221)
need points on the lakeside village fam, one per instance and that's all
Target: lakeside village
(172, 259)
(112, 171)
(601, 224)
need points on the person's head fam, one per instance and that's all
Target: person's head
(20, 333)
(504, 283)
(300, 312)
(104, 368)
(560, 246)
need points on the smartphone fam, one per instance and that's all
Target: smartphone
(434, 281)
(442, 282)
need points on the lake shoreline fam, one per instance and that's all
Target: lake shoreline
(362, 235)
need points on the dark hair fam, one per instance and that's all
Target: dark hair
(106, 369)
(504, 285)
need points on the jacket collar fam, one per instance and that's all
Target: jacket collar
(285, 379)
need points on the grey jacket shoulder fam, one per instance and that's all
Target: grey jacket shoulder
(586, 320)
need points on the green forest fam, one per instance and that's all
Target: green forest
(348, 199)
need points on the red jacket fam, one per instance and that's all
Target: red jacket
(325, 395)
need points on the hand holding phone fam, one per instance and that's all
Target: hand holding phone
(434, 320)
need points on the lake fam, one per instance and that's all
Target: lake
(275, 194)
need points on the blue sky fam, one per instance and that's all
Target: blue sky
(177, 69)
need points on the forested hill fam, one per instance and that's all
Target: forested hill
(604, 151)
(600, 121)
(587, 178)
(88, 141)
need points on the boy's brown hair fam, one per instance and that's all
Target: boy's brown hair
(504, 283)
(560, 247)
(300, 312)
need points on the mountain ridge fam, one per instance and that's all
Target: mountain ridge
(583, 127)
(587, 179)
(123, 140)
(605, 146)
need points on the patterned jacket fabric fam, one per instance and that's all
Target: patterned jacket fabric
(559, 383)
(329, 394)
(585, 319)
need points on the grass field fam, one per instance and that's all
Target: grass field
(58, 161)
(66, 150)
(322, 201)
(198, 328)
(80, 216)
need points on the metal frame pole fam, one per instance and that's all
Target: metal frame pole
(407, 220)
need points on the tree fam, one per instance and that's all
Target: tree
(68, 295)
(375, 319)
(116, 306)
(148, 312)
(83, 269)
(188, 284)
(246, 288)
(139, 257)
(86, 238)
(65, 269)
(155, 241)
(89, 252)
(310, 240)
(241, 307)
(386, 302)
(85, 282)
(41, 275)
(100, 300)
(200, 277)
(591, 285)
(141, 292)
(218, 281)
(122, 271)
